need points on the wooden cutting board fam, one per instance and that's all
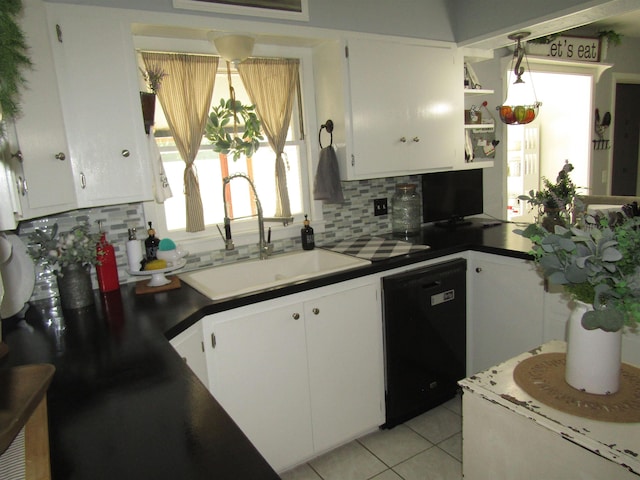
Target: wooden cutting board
(143, 287)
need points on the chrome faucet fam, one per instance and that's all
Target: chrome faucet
(263, 246)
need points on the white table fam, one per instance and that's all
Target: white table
(508, 434)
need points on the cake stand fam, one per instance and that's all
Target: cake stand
(157, 276)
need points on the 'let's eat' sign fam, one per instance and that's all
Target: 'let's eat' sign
(581, 49)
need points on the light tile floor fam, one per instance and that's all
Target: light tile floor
(427, 447)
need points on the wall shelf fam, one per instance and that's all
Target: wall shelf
(477, 91)
(480, 127)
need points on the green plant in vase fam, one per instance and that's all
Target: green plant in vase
(554, 203)
(153, 77)
(598, 263)
(70, 256)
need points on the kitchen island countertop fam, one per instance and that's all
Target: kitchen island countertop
(122, 403)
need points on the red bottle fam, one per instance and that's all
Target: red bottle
(106, 269)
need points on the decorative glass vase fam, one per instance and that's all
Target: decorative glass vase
(74, 286)
(551, 218)
(593, 356)
(405, 211)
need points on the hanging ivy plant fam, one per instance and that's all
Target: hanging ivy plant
(13, 58)
(222, 129)
(612, 37)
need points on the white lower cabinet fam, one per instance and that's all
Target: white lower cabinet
(190, 346)
(506, 311)
(303, 373)
(344, 347)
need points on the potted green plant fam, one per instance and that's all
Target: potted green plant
(13, 60)
(153, 77)
(554, 203)
(225, 139)
(70, 256)
(597, 260)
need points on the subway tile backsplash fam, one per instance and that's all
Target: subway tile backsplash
(352, 218)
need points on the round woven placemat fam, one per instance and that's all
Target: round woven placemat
(542, 377)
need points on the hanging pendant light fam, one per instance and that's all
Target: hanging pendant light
(232, 47)
(521, 105)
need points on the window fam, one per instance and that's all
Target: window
(168, 218)
(212, 168)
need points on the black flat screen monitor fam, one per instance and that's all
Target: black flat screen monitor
(448, 197)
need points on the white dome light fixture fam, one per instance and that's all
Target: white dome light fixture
(233, 48)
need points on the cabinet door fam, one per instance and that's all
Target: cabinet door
(406, 108)
(190, 346)
(344, 342)
(506, 309)
(258, 372)
(97, 71)
(43, 166)
(9, 203)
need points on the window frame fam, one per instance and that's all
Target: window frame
(246, 232)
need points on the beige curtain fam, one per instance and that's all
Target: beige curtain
(185, 96)
(271, 85)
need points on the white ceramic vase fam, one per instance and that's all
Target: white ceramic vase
(593, 356)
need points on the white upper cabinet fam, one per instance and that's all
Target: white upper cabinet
(39, 155)
(97, 72)
(397, 108)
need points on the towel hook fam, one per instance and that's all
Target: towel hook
(328, 126)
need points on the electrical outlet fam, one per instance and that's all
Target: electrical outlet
(380, 206)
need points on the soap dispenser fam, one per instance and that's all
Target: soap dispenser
(134, 251)
(308, 242)
(151, 244)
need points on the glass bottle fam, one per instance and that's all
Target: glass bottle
(151, 244)
(405, 210)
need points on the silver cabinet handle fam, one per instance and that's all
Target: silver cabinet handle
(21, 183)
(83, 180)
(403, 139)
(60, 156)
(214, 341)
(478, 269)
(316, 311)
(126, 153)
(296, 316)
(18, 155)
(416, 139)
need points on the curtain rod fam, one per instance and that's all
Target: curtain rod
(271, 57)
(143, 50)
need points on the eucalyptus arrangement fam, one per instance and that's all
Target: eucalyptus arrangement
(153, 77)
(218, 130)
(78, 246)
(597, 262)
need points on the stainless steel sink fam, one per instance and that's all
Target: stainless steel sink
(253, 275)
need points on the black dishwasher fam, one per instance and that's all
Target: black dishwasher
(425, 338)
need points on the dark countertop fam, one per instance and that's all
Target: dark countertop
(122, 403)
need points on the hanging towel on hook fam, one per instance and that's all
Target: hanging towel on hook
(327, 184)
(160, 182)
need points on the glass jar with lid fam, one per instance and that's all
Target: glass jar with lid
(405, 210)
